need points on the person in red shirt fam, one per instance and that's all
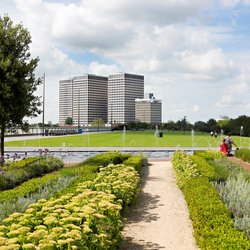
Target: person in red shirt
(224, 147)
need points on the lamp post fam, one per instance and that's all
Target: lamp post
(241, 134)
(78, 109)
(43, 79)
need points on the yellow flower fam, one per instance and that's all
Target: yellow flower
(57, 230)
(41, 227)
(29, 246)
(13, 233)
(99, 216)
(11, 247)
(86, 229)
(2, 241)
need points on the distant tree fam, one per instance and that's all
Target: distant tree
(213, 125)
(17, 79)
(201, 126)
(183, 124)
(98, 123)
(69, 121)
(234, 126)
(170, 125)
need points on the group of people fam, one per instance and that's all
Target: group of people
(226, 145)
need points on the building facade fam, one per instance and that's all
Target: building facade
(148, 110)
(123, 89)
(84, 98)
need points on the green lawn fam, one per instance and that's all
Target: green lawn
(129, 139)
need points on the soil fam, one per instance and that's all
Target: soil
(160, 218)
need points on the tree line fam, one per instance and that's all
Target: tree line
(237, 126)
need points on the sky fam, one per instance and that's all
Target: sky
(194, 54)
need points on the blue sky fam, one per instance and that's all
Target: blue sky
(194, 54)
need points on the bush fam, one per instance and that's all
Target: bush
(209, 154)
(15, 176)
(243, 154)
(204, 168)
(235, 192)
(213, 226)
(137, 162)
(20, 163)
(112, 157)
(185, 168)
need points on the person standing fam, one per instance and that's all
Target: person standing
(229, 141)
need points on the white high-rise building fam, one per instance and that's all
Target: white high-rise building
(84, 98)
(148, 110)
(123, 89)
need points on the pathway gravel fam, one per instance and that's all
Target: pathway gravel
(159, 219)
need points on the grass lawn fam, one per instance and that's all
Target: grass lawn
(129, 139)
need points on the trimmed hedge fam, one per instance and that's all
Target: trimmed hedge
(243, 154)
(14, 177)
(20, 163)
(112, 157)
(213, 226)
(209, 154)
(137, 162)
(212, 222)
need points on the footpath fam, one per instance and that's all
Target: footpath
(159, 219)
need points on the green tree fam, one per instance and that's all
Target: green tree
(17, 79)
(69, 121)
(98, 123)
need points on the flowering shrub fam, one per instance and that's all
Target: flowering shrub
(120, 180)
(85, 220)
(185, 168)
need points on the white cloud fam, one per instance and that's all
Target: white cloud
(170, 42)
(232, 3)
(196, 108)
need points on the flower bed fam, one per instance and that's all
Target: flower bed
(87, 218)
(212, 222)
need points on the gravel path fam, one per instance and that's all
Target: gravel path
(159, 220)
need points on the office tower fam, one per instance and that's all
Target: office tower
(148, 110)
(123, 89)
(84, 98)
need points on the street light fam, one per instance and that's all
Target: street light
(241, 134)
(43, 81)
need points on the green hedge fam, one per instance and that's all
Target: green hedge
(112, 157)
(14, 177)
(209, 154)
(20, 163)
(213, 225)
(208, 168)
(243, 154)
(137, 162)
